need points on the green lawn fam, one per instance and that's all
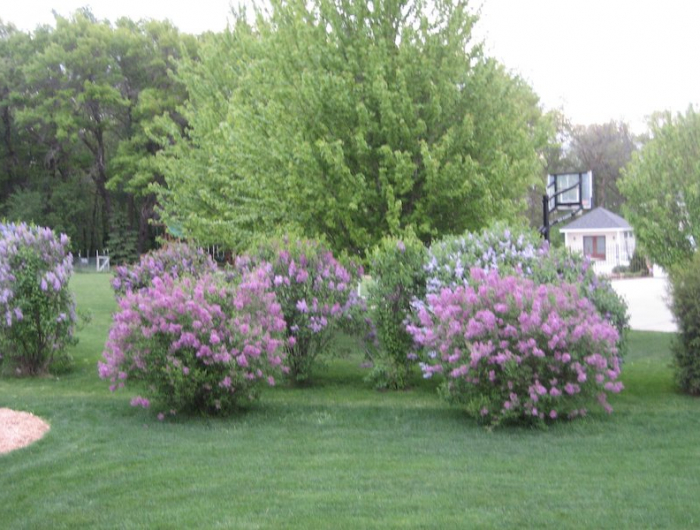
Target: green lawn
(340, 455)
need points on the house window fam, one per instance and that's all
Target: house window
(594, 247)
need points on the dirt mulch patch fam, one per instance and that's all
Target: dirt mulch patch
(19, 429)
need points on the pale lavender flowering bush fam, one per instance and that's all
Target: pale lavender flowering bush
(174, 259)
(499, 248)
(37, 311)
(197, 344)
(511, 350)
(318, 297)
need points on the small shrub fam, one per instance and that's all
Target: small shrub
(175, 260)
(122, 241)
(399, 278)
(197, 344)
(37, 311)
(511, 350)
(638, 263)
(685, 306)
(318, 297)
(524, 253)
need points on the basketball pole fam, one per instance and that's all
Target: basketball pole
(545, 217)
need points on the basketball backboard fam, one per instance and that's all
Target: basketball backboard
(569, 191)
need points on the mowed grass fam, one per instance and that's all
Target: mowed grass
(341, 455)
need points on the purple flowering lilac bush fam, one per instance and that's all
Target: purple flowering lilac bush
(37, 311)
(197, 344)
(523, 253)
(318, 297)
(514, 351)
(174, 259)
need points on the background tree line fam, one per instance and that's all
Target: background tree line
(604, 148)
(78, 106)
(347, 120)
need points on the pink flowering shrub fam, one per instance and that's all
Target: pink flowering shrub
(511, 350)
(197, 344)
(37, 311)
(318, 297)
(174, 259)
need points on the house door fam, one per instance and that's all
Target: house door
(594, 247)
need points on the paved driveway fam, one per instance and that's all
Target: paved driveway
(646, 299)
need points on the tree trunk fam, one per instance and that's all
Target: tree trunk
(11, 161)
(145, 217)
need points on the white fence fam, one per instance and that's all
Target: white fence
(615, 256)
(97, 262)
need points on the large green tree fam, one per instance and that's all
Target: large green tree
(38, 185)
(146, 53)
(11, 42)
(662, 188)
(74, 100)
(352, 120)
(22, 158)
(78, 105)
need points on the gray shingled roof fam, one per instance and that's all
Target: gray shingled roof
(598, 219)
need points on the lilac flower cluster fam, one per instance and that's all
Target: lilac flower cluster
(450, 259)
(317, 294)
(174, 259)
(199, 344)
(37, 312)
(512, 350)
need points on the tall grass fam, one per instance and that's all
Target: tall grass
(340, 455)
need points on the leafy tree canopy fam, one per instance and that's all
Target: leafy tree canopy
(353, 120)
(662, 188)
(605, 149)
(78, 105)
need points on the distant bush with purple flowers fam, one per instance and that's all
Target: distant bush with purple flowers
(512, 350)
(318, 296)
(197, 344)
(524, 253)
(498, 248)
(174, 259)
(37, 311)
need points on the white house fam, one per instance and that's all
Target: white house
(603, 236)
